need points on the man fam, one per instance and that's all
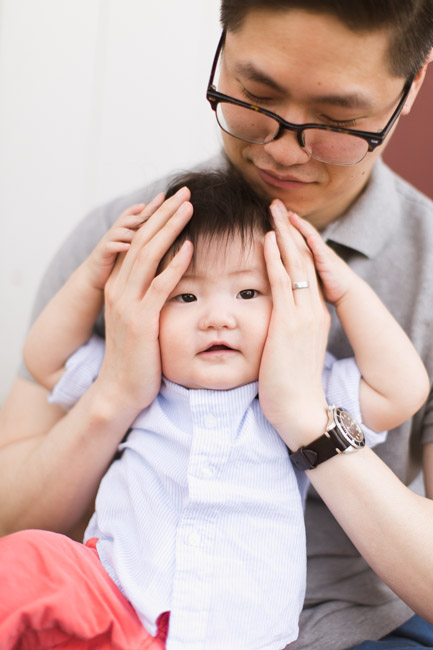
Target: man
(337, 66)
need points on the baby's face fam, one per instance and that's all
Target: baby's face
(213, 327)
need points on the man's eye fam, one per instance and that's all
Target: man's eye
(345, 124)
(185, 297)
(247, 294)
(255, 99)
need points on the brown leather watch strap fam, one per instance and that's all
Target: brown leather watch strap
(321, 449)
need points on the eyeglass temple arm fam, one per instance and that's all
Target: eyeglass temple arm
(372, 144)
(216, 57)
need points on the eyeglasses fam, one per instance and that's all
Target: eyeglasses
(328, 144)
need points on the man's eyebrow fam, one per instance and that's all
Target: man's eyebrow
(351, 100)
(250, 72)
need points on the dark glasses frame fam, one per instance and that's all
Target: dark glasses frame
(373, 139)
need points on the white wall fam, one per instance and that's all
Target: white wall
(97, 97)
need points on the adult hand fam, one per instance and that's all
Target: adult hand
(336, 276)
(290, 386)
(134, 297)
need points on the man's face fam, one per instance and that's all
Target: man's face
(214, 325)
(307, 68)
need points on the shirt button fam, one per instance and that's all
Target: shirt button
(194, 539)
(206, 472)
(210, 421)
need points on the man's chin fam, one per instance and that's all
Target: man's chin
(296, 195)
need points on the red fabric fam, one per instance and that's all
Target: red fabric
(54, 593)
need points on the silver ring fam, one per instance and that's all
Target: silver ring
(301, 284)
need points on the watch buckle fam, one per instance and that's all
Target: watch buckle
(331, 419)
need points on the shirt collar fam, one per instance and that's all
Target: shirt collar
(236, 397)
(371, 221)
(226, 408)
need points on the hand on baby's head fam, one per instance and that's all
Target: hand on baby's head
(117, 240)
(334, 273)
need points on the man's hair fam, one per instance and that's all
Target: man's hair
(224, 205)
(410, 23)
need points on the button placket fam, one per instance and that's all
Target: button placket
(194, 538)
(210, 421)
(206, 471)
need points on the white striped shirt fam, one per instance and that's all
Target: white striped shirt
(202, 515)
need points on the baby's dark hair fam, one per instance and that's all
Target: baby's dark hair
(224, 206)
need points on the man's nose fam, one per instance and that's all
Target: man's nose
(286, 150)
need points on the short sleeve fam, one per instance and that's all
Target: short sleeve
(341, 379)
(81, 370)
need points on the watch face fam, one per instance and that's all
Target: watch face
(349, 428)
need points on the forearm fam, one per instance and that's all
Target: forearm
(64, 325)
(394, 382)
(48, 478)
(390, 525)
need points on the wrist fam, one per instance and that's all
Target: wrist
(86, 295)
(119, 395)
(304, 427)
(90, 277)
(342, 435)
(111, 405)
(350, 292)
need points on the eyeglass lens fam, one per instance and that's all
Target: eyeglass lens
(257, 128)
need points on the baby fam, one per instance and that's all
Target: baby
(198, 523)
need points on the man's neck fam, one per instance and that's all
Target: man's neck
(320, 219)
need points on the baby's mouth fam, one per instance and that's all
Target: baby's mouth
(217, 348)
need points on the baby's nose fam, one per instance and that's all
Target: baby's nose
(218, 317)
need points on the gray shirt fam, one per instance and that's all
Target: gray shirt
(387, 238)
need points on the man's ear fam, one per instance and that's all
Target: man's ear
(416, 84)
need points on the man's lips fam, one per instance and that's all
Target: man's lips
(286, 182)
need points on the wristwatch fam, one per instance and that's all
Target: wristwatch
(343, 435)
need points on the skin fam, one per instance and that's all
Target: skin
(224, 299)
(50, 465)
(308, 77)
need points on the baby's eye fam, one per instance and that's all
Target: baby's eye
(247, 294)
(185, 297)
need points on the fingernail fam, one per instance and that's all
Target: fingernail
(279, 208)
(183, 207)
(182, 191)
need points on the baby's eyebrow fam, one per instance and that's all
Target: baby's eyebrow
(247, 271)
(250, 270)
